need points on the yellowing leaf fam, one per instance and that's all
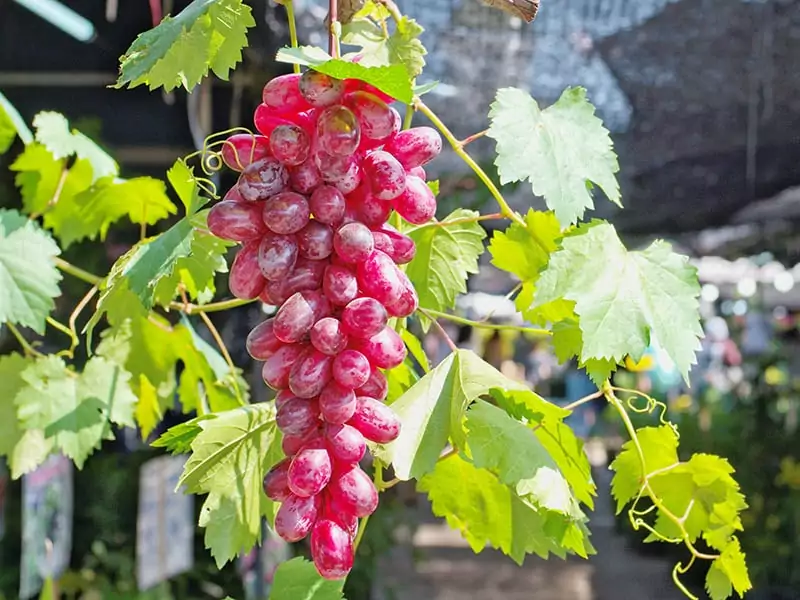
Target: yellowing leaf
(180, 50)
(561, 150)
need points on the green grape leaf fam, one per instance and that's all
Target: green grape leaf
(178, 439)
(728, 571)
(660, 448)
(400, 380)
(181, 178)
(415, 348)
(297, 579)
(485, 511)
(433, 186)
(11, 382)
(625, 299)
(568, 342)
(28, 276)
(391, 79)
(179, 51)
(402, 47)
(540, 146)
(12, 125)
(446, 255)
(75, 410)
(718, 585)
(230, 457)
(433, 409)
(54, 133)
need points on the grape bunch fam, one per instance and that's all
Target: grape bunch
(310, 209)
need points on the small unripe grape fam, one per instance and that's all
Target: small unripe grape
(245, 280)
(353, 242)
(262, 179)
(277, 255)
(237, 221)
(315, 240)
(337, 404)
(276, 484)
(261, 342)
(376, 421)
(345, 443)
(386, 175)
(327, 204)
(296, 517)
(243, 149)
(286, 212)
(351, 369)
(354, 491)
(290, 144)
(277, 367)
(297, 417)
(364, 317)
(310, 471)
(319, 89)
(331, 549)
(328, 336)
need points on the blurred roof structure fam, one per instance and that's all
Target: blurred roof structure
(702, 96)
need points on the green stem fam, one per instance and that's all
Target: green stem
(26, 346)
(409, 116)
(77, 272)
(73, 336)
(477, 219)
(476, 168)
(225, 354)
(289, 4)
(473, 137)
(429, 312)
(191, 309)
(432, 317)
(584, 400)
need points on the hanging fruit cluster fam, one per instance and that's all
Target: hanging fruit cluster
(310, 208)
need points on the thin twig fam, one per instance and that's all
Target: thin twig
(473, 137)
(77, 272)
(73, 318)
(73, 336)
(289, 4)
(429, 312)
(191, 309)
(224, 350)
(26, 346)
(438, 325)
(333, 28)
(584, 400)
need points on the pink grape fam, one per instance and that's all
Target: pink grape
(375, 117)
(379, 277)
(376, 421)
(296, 517)
(376, 387)
(339, 285)
(330, 512)
(286, 212)
(277, 255)
(243, 149)
(327, 204)
(418, 172)
(403, 248)
(353, 242)
(383, 242)
(292, 444)
(405, 304)
(277, 367)
(364, 317)
(328, 336)
(315, 240)
(331, 549)
(351, 369)
(283, 93)
(297, 315)
(319, 89)
(368, 209)
(310, 374)
(290, 144)
(354, 491)
(349, 180)
(415, 147)
(237, 221)
(386, 175)
(345, 443)
(305, 178)
(297, 417)
(261, 342)
(307, 275)
(276, 484)
(331, 166)
(385, 350)
(416, 204)
(310, 471)
(234, 194)
(337, 404)
(266, 119)
(338, 132)
(245, 280)
(283, 397)
(262, 179)
(356, 85)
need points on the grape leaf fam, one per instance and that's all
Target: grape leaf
(540, 146)
(54, 133)
(28, 276)
(11, 382)
(402, 47)
(433, 409)
(728, 571)
(181, 178)
(11, 125)
(297, 579)
(74, 410)
(718, 585)
(178, 439)
(229, 459)
(391, 79)
(400, 379)
(624, 299)
(180, 50)
(473, 501)
(415, 348)
(446, 255)
(568, 342)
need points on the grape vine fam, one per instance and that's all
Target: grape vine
(336, 224)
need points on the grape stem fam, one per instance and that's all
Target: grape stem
(26, 346)
(573, 405)
(333, 28)
(448, 223)
(77, 272)
(225, 354)
(473, 137)
(289, 4)
(392, 8)
(430, 313)
(507, 211)
(409, 116)
(73, 336)
(432, 316)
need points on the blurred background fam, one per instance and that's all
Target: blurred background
(703, 101)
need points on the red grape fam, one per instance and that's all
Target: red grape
(379, 277)
(297, 417)
(261, 342)
(328, 336)
(386, 175)
(416, 204)
(262, 179)
(266, 119)
(290, 144)
(385, 350)
(370, 211)
(243, 149)
(277, 255)
(310, 471)
(354, 491)
(403, 248)
(310, 374)
(350, 369)
(338, 132)
(283, 397)
(319, 89)
(276, 484)
(305, 178)
(373, 114)
(327, 205)
(376, 387)
(275, 371)
(296, 517)
(416, 146)
(286, 212)
(237, 221)
(331, 549)
(364, 317)
(376, 421)
(294, 318)
(283, 93)
(339, 285)
(245, 280)
(353, 242)
(345, 443)
(337, 404)
(315, 240)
